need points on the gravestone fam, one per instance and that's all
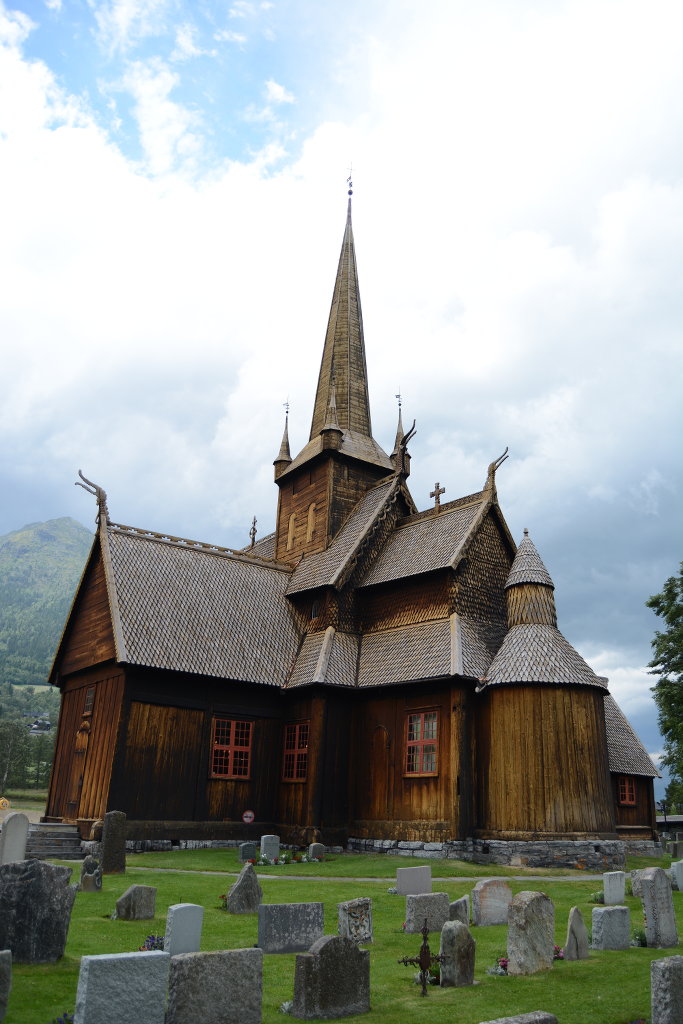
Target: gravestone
(221, 987)
(459, 910)
(354, 919)
(122, 987)
(434, 906)
(247, 851)
(457, 952)
(331, 980)
(637, 882)
(289, 927)
(5, 980)
(113, 851)
(316, 851)
(531, 929)
(658, 908)
(245, 894)
(614, 888)
(535, 1017)
(491, 899)
(666, 985)
(410, 881)
(270, 847)
(35, 910)
(91, 875)
(576, 945)
(13, 838)
(183, 928)
(611, 928)
(138, 903)
(676, 875)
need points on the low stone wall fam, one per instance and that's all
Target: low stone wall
(591, 855)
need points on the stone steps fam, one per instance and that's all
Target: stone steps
(49, 839)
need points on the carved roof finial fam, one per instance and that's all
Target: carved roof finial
(490, 484)
(100, 495)
(252, 532)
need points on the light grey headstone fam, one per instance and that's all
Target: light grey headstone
(531, 928)
(413, 880)
(183, 928)
(35, 910)
(677, 875)
(331, 980)
(666, 981)
(91, 875)
(245, 894)
(138, 903)
(13, 838)
(658, 908)
(611, 928)
(220, 987)
(535, 1017)
(614, 888)
(270, 847)
(114, 843)
(289, 927)
(491, 899)
(247, 851)
(434, 906)
(459, 910)
(5, 980)
(316, 851)
(577, 944)
(122, 987)
(457, 948)
(637, 882)
(354, 919)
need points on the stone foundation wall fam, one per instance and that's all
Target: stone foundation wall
(591, 855)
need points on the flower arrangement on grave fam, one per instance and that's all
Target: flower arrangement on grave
(223, 899)
(151, 943)
(597, 897)
(558, 953)
(500, 966)
(66, 1018)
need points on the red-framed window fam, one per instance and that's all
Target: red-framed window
(295, 752)
(422, 743)
(627, 790)
(230, 748)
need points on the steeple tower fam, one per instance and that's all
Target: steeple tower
(322, 484)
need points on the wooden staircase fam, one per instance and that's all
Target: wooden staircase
(49, 839)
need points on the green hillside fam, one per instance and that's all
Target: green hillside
(40, 566)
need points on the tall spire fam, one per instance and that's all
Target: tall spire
(344, 352)
(283, 457)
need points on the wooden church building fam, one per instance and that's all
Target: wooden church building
(367, 671)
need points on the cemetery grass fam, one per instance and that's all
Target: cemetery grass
(608, 988)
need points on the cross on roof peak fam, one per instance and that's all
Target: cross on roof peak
(436, 494)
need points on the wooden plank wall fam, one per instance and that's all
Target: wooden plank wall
(641, 817)
(90, 639)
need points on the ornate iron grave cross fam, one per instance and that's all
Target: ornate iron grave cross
(424, 960)
(436, 495)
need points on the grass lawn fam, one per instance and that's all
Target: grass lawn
(27, 799)
(608, 988)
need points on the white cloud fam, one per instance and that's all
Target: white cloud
(121, 24)
(186, 46)
(224, 36)
(276, 93)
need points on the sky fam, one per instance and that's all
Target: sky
(172, 204)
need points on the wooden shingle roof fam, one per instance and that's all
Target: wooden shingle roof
(624, 750)
(528, 566)
(189, 608)
(328, 657)
(538, 653)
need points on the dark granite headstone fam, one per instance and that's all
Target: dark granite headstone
(5, 980)
(114, 843)
(35, 910)
(331, 980)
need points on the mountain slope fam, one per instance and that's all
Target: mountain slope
(40, 566)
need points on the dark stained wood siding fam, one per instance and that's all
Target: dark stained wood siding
(543, 762)
(405, 602)
(635, 821)
(89, 639)
(481, 576)
(79, 784)
(350, 481)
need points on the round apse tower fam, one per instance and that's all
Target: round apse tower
(542, 745)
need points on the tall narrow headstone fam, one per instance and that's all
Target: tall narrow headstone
(410, 881)
(434, 906)
(13, 838)
(270, 847)
(614, 888)
(611, 928)
(658, 908)
(35, 910)
(5, 980)
(331, 980)
(245, 894)
(491, 899)
(113, 857)
(316, 851)
(221, 987)
(289, 927)
(531, 928)
(183, 928)
(457, 951)
(666, 981)
(577, 944)
(122, 987)
(354, 919)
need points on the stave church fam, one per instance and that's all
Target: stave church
(368, 674)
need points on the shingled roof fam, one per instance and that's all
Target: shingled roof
(528, 566)
(624, 750)
(538, 653)
(194, 609)
(328, 657)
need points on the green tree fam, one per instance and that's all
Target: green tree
(667, 663)
(15, 753)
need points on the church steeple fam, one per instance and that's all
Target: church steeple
(344, 353)
(283, 456)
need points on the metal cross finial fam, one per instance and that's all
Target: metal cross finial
(399, 397)
(286, 407)
(252, 532)
(424, 959)
(436, 495)
(349, 182)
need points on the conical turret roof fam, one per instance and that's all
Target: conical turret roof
(528, 566)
